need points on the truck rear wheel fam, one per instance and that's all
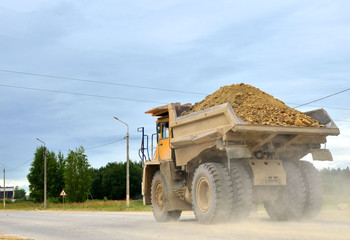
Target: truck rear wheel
(314, 190)
(212, 193)
(242, 191)
(158, 201)
(290, 202)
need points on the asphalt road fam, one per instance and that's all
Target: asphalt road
(44, 225)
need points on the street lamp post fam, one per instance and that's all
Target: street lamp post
(45, 189)
(127, 163)
(4, 201)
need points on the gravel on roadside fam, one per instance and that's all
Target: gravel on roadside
(3, 237)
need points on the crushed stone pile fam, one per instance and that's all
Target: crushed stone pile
(255, 107)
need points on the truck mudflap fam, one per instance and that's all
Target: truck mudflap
(173, 188)
(149, 169)
(321, 154)
(267, 172)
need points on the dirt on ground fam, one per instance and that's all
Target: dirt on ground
(256, 107)
(2, 237)
(329, 224)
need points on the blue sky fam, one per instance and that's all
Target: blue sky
(297, 51)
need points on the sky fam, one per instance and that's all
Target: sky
(149, 53)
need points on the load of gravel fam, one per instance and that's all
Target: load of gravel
(256, 107)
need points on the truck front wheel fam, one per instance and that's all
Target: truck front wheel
(212, 196)
(158, 201)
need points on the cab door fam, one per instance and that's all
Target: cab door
(164, 151)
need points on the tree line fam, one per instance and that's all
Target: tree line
(80, 182)
(336, 181)
(109, 182)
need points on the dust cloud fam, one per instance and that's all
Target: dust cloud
(329, 224)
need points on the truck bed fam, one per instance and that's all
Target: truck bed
(198, 131)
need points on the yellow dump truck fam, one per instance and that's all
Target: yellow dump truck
(215, 164)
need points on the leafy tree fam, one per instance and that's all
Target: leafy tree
(77, 176)
(96, 189)
(135, 179)
(114, 181)
(53, 177)
(110, 181)
(36, 175)
(60, 171)
(20, 194)
(336, 181)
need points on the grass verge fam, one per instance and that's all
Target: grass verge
(330, 202)
(90, 205)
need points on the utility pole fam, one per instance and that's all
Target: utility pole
(127, 163)
(4, 200)
(45, 166)
(4, 189)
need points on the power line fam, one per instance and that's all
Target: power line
(99, 82)
(98, 146)
(128, 99)
(347, 121)
(102, 145)
(319, 99)
(134, 86)
(19, 166)
(338, 108)
(79, 94)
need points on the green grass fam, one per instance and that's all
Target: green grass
(330, 202)
(90, 205)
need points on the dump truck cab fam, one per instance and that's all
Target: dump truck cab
(163, 150)
(160, 150)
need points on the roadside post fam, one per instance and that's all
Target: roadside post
(4, 197)
(63, 194)
(127, 163)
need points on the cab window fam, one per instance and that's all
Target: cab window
(159, 128)
(165, 130)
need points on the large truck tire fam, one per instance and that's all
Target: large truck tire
(158, 201)
(242, 191)
(314, 189)
(290, 203)
(212, 196)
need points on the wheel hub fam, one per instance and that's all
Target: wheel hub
(203, 194)
(159, 196)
